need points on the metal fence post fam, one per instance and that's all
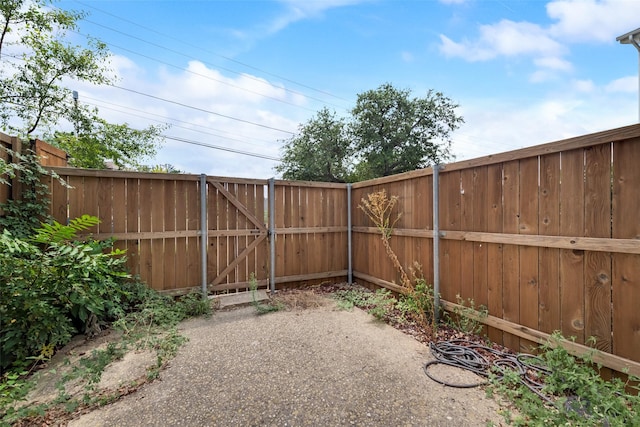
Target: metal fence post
(272, 235)
(204, 233)
(349, 243)
(436, 243)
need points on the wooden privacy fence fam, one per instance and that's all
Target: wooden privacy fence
(158, 219)
(49, 156)
(548, 238)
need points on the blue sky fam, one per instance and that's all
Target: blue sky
(523, 72)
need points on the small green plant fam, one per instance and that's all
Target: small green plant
(466, 316)
(379, 303)
(418, 303)
(577, 394)
(261, 308)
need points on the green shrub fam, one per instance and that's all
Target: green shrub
(54, 286)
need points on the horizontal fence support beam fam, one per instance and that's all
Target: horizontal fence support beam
(311, 230)
(312, 276)
(605, 359)
(595, 244)
(237, 285)
(383, 283)
(150, 235)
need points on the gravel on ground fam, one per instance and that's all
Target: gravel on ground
(313, 367)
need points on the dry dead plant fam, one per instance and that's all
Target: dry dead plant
(418, 294)
(378, 208)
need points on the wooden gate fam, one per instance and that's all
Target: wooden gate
(237, 233)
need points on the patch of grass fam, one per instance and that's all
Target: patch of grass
(148, 324)
(379, 303)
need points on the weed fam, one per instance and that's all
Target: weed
(261, 308)
(379, 304)
(466, 317)
(579, 394)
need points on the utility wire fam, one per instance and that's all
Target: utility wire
(207, 77)
(103, 104)
(217, 147)
(199, 109)
(212, 53)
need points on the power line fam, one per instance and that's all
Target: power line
(200, 109)
(206, 51)
(205, 76)
(217, 147)
(100, 105)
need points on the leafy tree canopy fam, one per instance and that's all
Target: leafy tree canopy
(388, 132)
(320, 152)
(395, 133)
(36, 61)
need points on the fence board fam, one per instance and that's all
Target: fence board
(467, 224)
(528, 220)
(511, 253)
(597, 266)
(450, 220)
(181, 253)
(572, 261)
(481, 209)
(548, 224)
(626, 268)
(494, 251)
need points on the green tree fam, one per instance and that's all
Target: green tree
(320, 151)
(96, 141)
(31, 90)
(395, 133)
(33, 95)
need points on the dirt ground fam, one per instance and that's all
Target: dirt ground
(299, 367)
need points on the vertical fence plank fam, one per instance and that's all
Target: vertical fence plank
(572, 261)
(481, 209)
(119, 210)
(494, 251)
(146, 195)
(157, 225)
(193, 243)
(597, 267)
(181, 250)
(549, 221)
(626, 267)
(450, 249)
(529, 280)
(466, 224)
(511, 253)
(133, 245)
(169, 221)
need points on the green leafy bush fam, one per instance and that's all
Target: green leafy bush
(577, 395)
(54, 286)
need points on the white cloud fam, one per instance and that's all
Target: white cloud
(624, 85)
(297, 10)
(585, 86)
(506, 38)
(493, 126)
(593, 20)
(553, 63)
